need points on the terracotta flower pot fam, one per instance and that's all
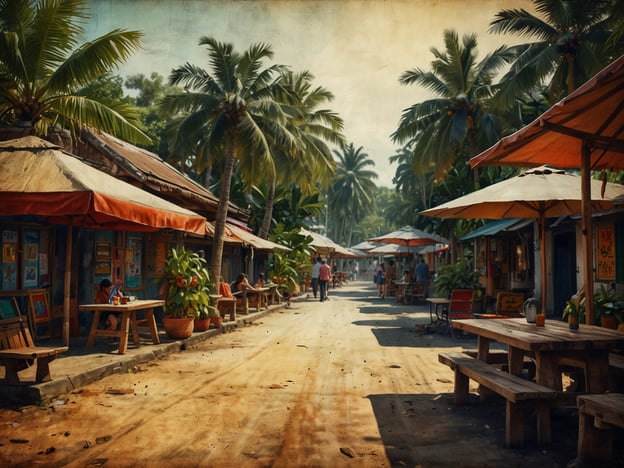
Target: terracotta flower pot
(608, 321)
(178, 328)
(573, 322)
(200, 325)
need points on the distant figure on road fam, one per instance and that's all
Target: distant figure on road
(325, 275)
(315, 276)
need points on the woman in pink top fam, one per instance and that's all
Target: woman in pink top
(324, 277)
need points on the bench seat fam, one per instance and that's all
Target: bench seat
(598, 414)
(19, 352)
(523, 397)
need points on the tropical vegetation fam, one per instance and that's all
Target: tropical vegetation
(43, 67)
(186, 286)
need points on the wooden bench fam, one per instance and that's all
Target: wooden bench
(19, 352)
(500, 357)
(523, 397)
(598, 414)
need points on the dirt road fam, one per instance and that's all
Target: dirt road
(347, 382)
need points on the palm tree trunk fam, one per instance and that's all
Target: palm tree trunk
(222, 212)
(268, 211)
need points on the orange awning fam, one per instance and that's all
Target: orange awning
(39, 179)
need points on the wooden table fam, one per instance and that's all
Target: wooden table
(434, 304)
(128, 321)
(553, 345)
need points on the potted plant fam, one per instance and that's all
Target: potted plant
(186, 288)
(609, 308)
(574, 311)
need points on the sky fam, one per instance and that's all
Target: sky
(357, 49)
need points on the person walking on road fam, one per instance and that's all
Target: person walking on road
(315, 276)
(324, 277)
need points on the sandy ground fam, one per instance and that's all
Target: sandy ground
(347, 382)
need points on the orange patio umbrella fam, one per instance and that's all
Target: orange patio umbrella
(40, 179)
(584, 130)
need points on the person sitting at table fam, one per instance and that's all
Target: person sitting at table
(241, 283)
(260, 283)
(105, 296)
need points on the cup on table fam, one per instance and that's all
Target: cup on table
(115, 300)
(540, 320)
(124, 300)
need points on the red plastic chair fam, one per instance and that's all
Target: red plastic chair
(460, 307)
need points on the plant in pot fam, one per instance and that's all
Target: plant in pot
(186, 287)
(609, 308)
(574, 311)
(283, 271)
(459, 276)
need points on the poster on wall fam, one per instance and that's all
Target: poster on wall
(134, 261)
(31, 259)
(606, 253)
(9, 260)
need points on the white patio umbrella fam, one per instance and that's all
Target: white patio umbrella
(538, 193)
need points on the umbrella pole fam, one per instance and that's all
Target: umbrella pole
(67, 284)
(587, 233)
(543, 256)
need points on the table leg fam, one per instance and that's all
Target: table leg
(94, 325)
(515, 360)
(597, 373)
(547, 370)
(123, 332)
(134, 328)
(483, 348)
(151, 323)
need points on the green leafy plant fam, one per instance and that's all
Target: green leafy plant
(575, 307)
(295, 265)
(608, 304)
(186, 286)
(283, 270)
(456, 276)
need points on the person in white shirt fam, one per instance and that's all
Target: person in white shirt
(315, 276)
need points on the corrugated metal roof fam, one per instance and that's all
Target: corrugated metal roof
(147, 168)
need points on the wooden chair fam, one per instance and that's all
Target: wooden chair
(460, 307)
(226, 304)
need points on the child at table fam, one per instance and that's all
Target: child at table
(105, 296)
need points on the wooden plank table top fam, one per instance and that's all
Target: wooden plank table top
(553, 345)
(128, 321)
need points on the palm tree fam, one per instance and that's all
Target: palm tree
(457, 121)
(311, 165)
(351, 194)
(42, 69)
(569, 45)
(228, 113)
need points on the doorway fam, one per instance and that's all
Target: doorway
(564, 270)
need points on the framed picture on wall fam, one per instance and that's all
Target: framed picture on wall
(39, 312)
(103, 250)
(133, 273)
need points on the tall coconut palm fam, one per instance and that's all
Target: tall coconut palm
(569, 47)
(351, 195)
(311, 165)
(457, 121)
(42, 69)
(228, 113)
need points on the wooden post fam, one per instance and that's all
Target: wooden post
(587, 232)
